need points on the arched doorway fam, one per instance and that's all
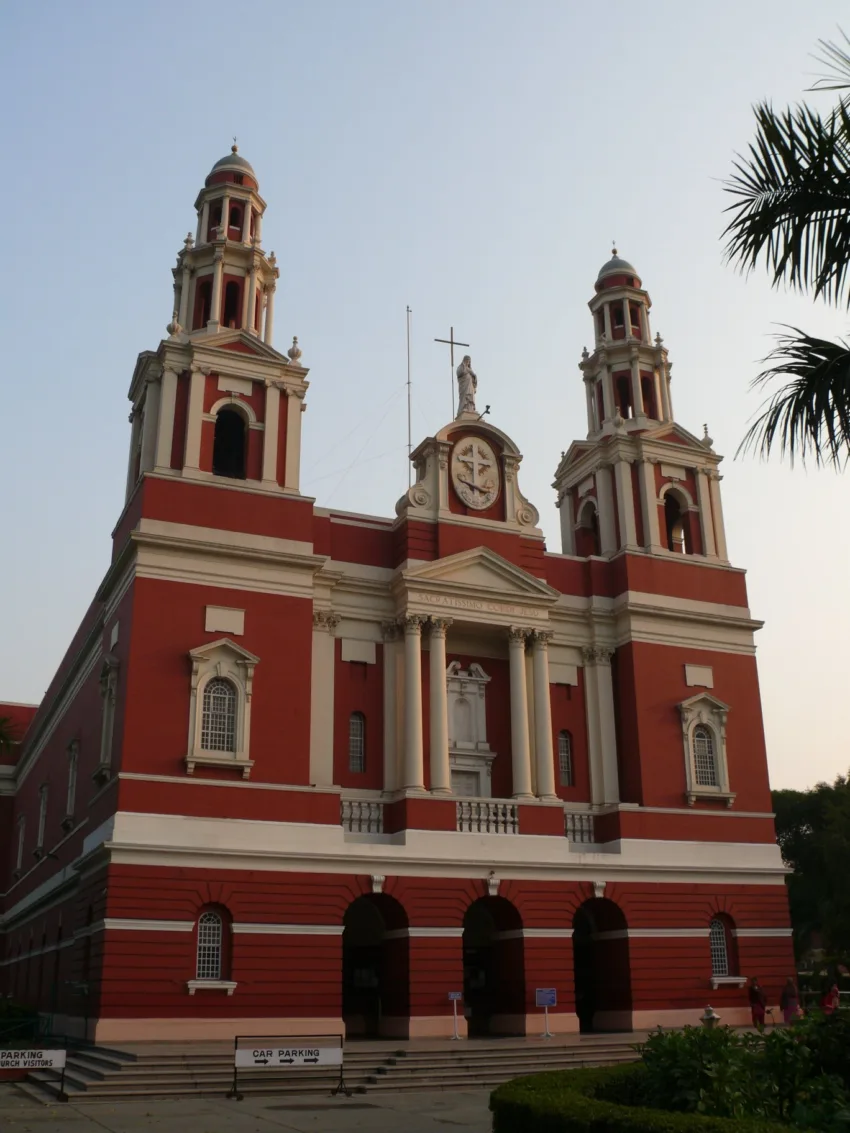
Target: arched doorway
(493, 968)
(602, 974)
(375, 968)
(229, 444)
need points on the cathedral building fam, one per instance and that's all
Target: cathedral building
(305, 771)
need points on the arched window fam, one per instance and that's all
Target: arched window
(229, 444)
(235, 220)
(719, 951)
(588, 541)
(231, 304)
(676, 522)
(705, 764)
(209, 947)
(203, 304)
(565, 759)
(357, 742)
(218, 724)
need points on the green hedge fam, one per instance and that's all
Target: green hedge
(598, 1101)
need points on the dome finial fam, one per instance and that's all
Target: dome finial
(613, 247)
(234, 148)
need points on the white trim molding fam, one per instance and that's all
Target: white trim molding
(763, 932)
(128, 924)
(727, 981)
(247, 929)
(211, 985)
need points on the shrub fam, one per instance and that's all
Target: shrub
(599, 1101)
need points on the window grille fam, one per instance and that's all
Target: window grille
(719, 951)
(357, 742)
(218, 719)
(705, 768)
(565, 759)
(209, 947)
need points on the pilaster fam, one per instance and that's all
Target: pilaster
(322, 698)
(602, 739)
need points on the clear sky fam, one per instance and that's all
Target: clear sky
(471, 158)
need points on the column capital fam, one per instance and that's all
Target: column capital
(439, 626)
(412, 623)
(597, 654)
(519, 633)
(324, 619)
(542, 637)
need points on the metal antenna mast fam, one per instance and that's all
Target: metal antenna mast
(409, 428)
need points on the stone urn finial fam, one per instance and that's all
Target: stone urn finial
(294, 352)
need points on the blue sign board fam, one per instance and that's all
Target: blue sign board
(546, 997)
(453, 995)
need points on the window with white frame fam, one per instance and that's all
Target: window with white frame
(719, 949)
(218, 722)
(704, 726)
(357, 742)
(565, 759)
(220, 706)
(70, 800)
(208, 965)
(22, 830)
(705, 767)
(42, 816)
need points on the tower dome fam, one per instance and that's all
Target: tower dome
(232, 163)
(616, 266)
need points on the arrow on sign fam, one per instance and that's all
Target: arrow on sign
(311, 1060)
(287, 1061)
(261, 1062)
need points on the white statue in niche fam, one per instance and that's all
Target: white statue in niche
(467, 386)
(470, 756)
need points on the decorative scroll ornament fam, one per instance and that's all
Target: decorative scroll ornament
(475, 473)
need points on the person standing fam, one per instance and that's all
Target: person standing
(789, 1001)
(758, 1003)
(830, 1000)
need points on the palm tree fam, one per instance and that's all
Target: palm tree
(8, 734)
(792, 209)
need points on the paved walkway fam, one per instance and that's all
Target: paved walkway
(436, 1112)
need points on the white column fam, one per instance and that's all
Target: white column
(225, 216)
(568, 522)
(392, 661)
(625, 503)
(246, 224)
(258, 229)
(543, 748)
(269, 328)
(215, 307)
(151, 408)
(637, 392)
(135, 421)
(412, 770)
(717, 514)
(607, 392)
(203, 223)
(183, 312)
(441, 778)
(194, 419)
(602, 740)
(322, 667)
(292, 469)
(252, 299)
(607, 312)
(520, 749)
(705, 520)
(270, 434)
(167, 406)
(605, 503)
(649, 506)
(591, 408)
(628, 318)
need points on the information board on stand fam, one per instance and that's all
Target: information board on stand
(546, 997)
(276, 1052)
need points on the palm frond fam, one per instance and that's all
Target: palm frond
(809, 415)
(792, 204)
(837, 62)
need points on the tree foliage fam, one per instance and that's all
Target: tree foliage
(813, 831)
(791, 212)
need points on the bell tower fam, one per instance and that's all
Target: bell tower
(639, 482)
(223, 279)
(216, 402)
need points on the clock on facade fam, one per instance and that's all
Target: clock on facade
(475, 473)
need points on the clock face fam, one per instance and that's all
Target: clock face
(475, 473)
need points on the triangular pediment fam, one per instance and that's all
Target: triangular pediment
(241, 342)
(674, 435)
(703, 700)
(204, 651)
(479, 571)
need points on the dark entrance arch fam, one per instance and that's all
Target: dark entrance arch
(602, 973)
(493, 968)
(375, 968)
(229, 444)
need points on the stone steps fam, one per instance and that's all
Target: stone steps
(173, 1071)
